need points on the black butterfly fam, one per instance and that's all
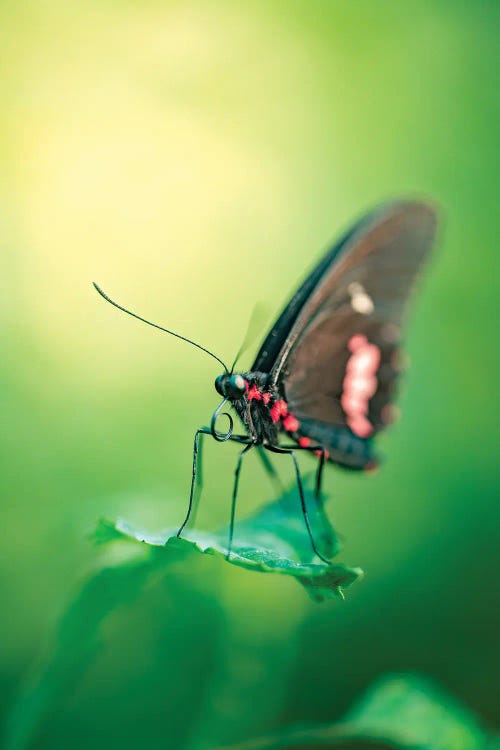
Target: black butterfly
(326, 373)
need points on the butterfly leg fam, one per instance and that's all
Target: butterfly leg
(321, 464)
(319, 475)
(237, 472)
(303, 505)
(195, 476)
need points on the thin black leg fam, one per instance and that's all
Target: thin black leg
(196, 475)
(295, 447)
(198, 434)
(199, 471)
(319, 475)
(302, 498)
(321, 463)
(235, 493)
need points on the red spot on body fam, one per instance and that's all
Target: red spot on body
(266, 397)
(291, 423)
(278, 410)
(275, 414)
(320, 453)
(304, 442)
(253, 394)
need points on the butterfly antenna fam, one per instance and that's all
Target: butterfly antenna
(154, 325)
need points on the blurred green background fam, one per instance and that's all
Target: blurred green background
(193, 158)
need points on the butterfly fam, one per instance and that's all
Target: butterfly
(325, 377)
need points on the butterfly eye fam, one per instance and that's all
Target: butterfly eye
(220, 383)
(235, 386)
(232, 387)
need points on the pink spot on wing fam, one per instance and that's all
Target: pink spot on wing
(352, 403)
(266, 397)
(360, 425)
(304, 442)
(360, 383)
(365, 359)
(356, 342)
(360, 386)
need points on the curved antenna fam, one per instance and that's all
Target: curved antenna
(254, 322)
(154, 325)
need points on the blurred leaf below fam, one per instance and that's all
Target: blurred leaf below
(274, 540)
(406, 712)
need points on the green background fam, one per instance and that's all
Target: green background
(194, 158)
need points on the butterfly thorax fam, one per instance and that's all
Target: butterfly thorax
(255, 408)
(261, 406)
(264, 411)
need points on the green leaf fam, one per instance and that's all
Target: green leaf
(75, 645)
(414, 710)
(399, 711)
(274, 540)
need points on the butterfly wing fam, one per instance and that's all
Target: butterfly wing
(274, 341)
(335, 347)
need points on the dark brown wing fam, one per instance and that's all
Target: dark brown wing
(339, 363)
(274, 341)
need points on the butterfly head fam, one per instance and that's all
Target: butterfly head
(232, 387)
